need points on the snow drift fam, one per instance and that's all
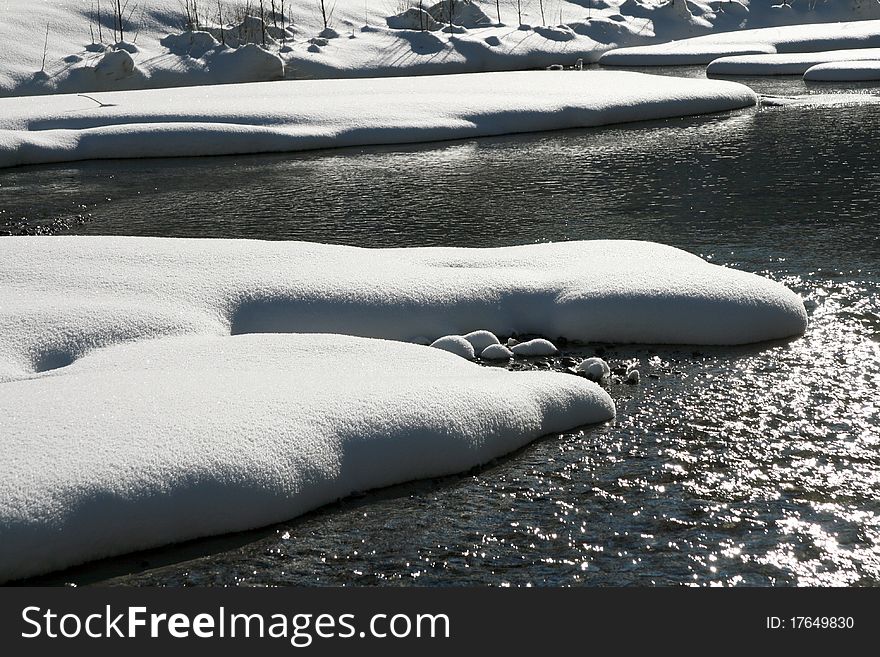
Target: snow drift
(154, 390)
(151, 443)
(844, 71)
(770, 40)
(786, 64)
(66, 296)
(293, 116)
(364, 39)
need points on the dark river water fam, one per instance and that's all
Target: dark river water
(748, 466)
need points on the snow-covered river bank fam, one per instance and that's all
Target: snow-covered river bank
(743, 465)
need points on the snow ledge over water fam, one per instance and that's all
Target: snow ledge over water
(313, 114)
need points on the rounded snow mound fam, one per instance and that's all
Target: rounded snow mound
(115, 65)
(455, 344)
(464, 14)
(594, 368)
(846, 71)
(190, 44)
(413, 19)
(481, 339)
(536, 347)
(250, 62)
(204, 435)
(496, 352)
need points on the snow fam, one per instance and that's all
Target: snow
(364, 39)
(680, 53)
(285, 116)
(63, 297)
(481, 339)
(496, 352)
(595, 368)
(844, 71)
(783, 40)
(159, 441)
(156, 390)
(455, 344)
(536, 347)
(787, 64)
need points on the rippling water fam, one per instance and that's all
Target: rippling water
(757, 465)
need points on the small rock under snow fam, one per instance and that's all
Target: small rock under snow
(536, 347)
(455, 344)
(496, 352)
(594, 368)
(481, 339)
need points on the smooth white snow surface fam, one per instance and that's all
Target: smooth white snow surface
(455, 344)
(783, 40)
(496, 352)
(136, 413)
(159, 441)
(844, 71)
(787, 64)
(536, 347)
(481, 339)
(367, 38)
(293, 116)
(63, 297)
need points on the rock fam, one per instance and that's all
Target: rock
(455, 344)
(536, 347)
(496, 352)
(633, 377)
(481, 339)
(595, 369)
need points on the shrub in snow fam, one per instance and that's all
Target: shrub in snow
(192, 44)
(413, 19)
(481, 339)
(249, 62)
(464, 13)
(536, 347)
(115, 65)
(455, 344)
(496, 352)
(594, 369)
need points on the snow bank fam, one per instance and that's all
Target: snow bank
(680, 53)
(844, 71)
(374, 38)
(161, 441)
(63, 297)
(287, 116)
(788, 39)
(786, 64)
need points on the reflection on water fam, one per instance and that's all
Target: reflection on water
(755, 465)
